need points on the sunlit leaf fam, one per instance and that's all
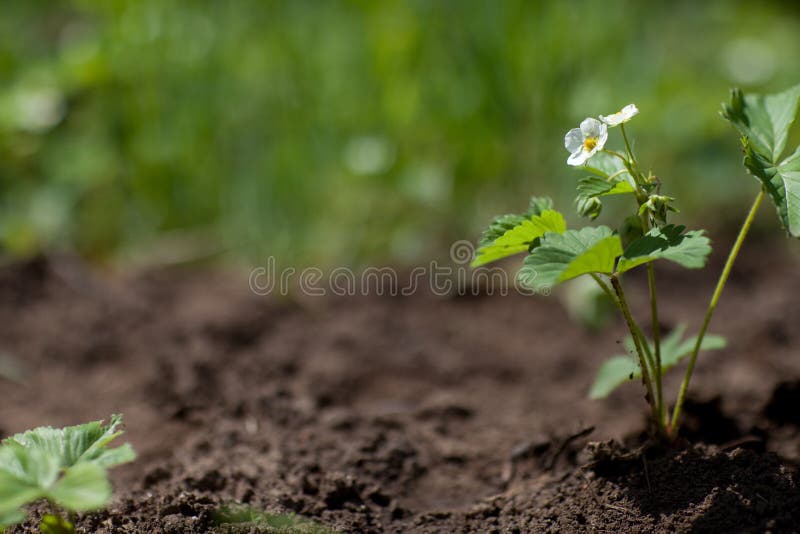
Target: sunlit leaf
(19, 476)
(24, 477)
(11, 518)
(84, 443)
(66, 465)
(764, 121)
(521, 237)
(499, 226)
(84, 486)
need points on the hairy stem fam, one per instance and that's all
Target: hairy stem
(637, 342)
(723, 278)
(607, 290)
(610, 293)
(620, 156)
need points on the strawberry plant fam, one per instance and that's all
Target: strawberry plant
(555, 254)
(67, 467)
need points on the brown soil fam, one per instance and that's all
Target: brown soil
(414, 414)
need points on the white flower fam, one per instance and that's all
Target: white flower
(623, 115)
(585, 141)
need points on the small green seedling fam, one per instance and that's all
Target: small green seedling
(556, 254)
(241, 519)
(65, 466)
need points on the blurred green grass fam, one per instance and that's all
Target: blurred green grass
(353, 132)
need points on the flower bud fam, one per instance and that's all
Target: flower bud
(589, 207)
(657, 207)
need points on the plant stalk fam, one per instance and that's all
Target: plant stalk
(618, 155)
(610, 294)
(628, 145)
(723, 278)
(607, 290)
(635, 333)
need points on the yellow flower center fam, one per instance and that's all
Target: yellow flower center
(589, 143)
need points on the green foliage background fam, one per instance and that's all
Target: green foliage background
(352, 132)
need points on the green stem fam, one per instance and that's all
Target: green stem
(620, 156)
(723, 278)
(645, 345)
(632, 165)
(619, 172)
(628, 145)
(651, 281)
(607, 290)
(623, 304)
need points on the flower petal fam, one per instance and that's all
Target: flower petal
(630, 111)
(601, 140)
(592, 152)
(578, 158)
(623, 115)
(611, 120)
(590, 127)
(573, 141)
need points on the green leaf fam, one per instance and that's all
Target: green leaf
(499, 226)
(560, 257)
(504, 223)
(84, 443)
(66, 465)
(13, 496)
(614, 372)
(84, 486)
(538, 205)
(688, 249)
(587, 304)
(764, 121)
(521, 237)
(623, 368)
(592, 186)
(33, 466)
(266, 521)
(631, 230)
(611, 179)
(116, 456)
(782, 183)
(23, 476)
(11, 518)
(605, 165)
